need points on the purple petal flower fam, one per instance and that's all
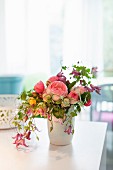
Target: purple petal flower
(19, 140)
(60, 74)
(88, 89)
(95, 88)
(68, 130)
(63, 79)
(75, 73)
(94, 69)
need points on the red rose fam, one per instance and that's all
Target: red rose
(39, 87)
(89, 102)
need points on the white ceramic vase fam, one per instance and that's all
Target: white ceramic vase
(57, 136)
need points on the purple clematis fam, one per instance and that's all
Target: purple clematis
(69, 130)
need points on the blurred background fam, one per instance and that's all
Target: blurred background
(37, 37)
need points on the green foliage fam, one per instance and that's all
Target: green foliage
(85, 97)
(23, 95)
(73, 114)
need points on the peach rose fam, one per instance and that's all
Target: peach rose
(55, 97)
(57, 88)
(39, 87)
(73, 96)
(46, 97)
(80, 90)
(65, 102)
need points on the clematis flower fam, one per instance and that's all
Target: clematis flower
(25, 118)
(19, 140)
(29, 112)
(39, 87)
(60, 74)
(27, 135)
(89, 89)
(69, 130)
(75, 73)
(61, 77)
(96, 88)
(94, 70)
(41, 112)
(17, 136)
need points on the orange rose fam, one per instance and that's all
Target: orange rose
(32, 101)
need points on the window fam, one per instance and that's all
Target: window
(108, 37)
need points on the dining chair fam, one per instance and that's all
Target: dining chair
(11, 84)
(102, 105)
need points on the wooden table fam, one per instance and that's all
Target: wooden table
(87, 151)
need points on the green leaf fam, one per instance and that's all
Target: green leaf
(26, 127)
(30, 123)
(37, 137)
(38, 116)
(20, 114)
(73, 114)
(72, 131)
(23, 95)
(88, 70)
(58, 113)
(2, 115)
(19, 127)
(71, 84)
(78, 108)
(85, 97)
(64, 67)
(51, 128)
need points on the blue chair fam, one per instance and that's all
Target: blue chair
(11, 84)
(102, 105)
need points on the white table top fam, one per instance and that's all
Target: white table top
(84, 153)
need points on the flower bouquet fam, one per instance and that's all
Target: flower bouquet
(60, 98)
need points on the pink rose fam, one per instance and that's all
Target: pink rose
(80, 90)
(73, 96)
(52, 79)
(39, 87)
(57, 88)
